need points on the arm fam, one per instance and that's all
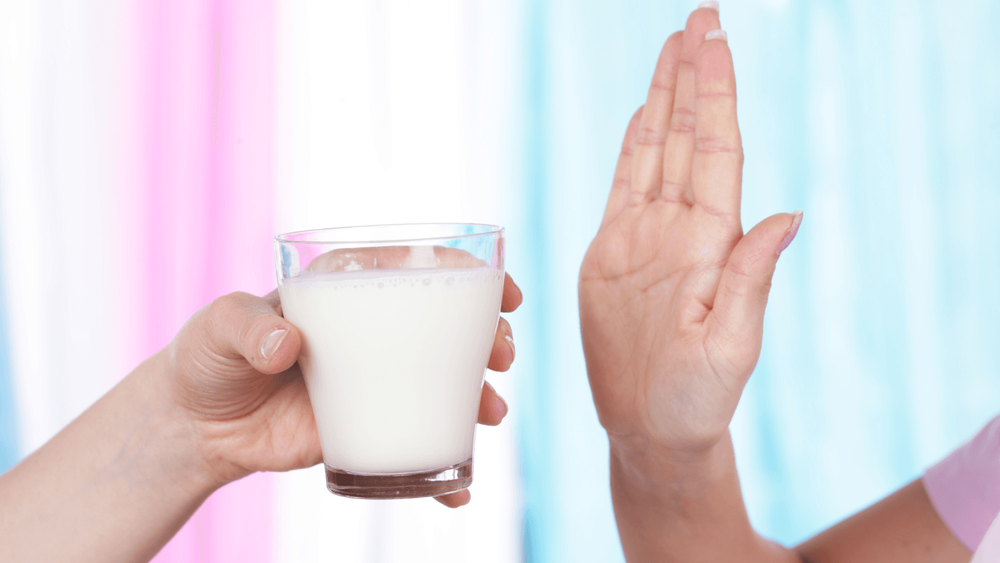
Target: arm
(672, 298)
(685, 508)
(676, 510)
(114, 485)
(223, 400)
(903, 527)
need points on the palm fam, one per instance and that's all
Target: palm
(646, 288)
(663, 287)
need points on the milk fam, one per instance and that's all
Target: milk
(394, 361)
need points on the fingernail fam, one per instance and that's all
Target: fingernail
(716, 34)
(510, 342)
(792, 231)
(271, 342)
(710, 4)
(506, 408)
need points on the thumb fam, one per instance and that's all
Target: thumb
(240, 325)
(737, 317)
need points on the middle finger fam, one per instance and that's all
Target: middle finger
(679, 149)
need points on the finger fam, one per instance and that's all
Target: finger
(455, 500)
(680, 138)
(492, 408)
(369, 258)
(512, 296)
(717, 167)
(737, 317)
(620, 186)
(503, 347)
(240, 325)
(444, 257)
(647, 162)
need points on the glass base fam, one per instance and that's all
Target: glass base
(432, 483)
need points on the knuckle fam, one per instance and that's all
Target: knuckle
(740, 271)
(707, 144)
(226, 305)
(661, 87)
(711, 210)
(650, 137)
(623, 181)
(682, 121)
(706, 94)
(672, 191)
(225, 311)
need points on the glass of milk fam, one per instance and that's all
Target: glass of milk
(397, 325)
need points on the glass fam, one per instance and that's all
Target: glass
(397, 324)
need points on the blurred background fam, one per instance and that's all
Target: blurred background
(149, 150)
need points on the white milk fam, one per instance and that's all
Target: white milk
(394, 362)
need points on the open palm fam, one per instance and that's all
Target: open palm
(672, 293)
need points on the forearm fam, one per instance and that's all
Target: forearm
(690, 509)
(685, 508)
(114, 485)
(901, 528)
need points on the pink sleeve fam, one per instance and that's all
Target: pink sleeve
(965, 487)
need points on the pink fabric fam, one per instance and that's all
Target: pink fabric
(208, 205)
(989, 549)
(965, 486)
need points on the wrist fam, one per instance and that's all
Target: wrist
(683, 505)
(642, 468)
(183, 449)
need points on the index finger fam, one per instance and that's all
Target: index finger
(717, 166)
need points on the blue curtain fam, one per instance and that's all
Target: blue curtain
(881, 120)
(9, 453)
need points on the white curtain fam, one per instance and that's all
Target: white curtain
(395, 111)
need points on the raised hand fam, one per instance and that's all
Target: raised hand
(672, 293)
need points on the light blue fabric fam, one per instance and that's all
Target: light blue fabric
(881, 120)
(9, 451)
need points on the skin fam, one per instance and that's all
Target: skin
(223, 400)
(672, 298)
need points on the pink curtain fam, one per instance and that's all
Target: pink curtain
(205, 220)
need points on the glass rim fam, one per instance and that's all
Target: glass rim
(491, 230)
